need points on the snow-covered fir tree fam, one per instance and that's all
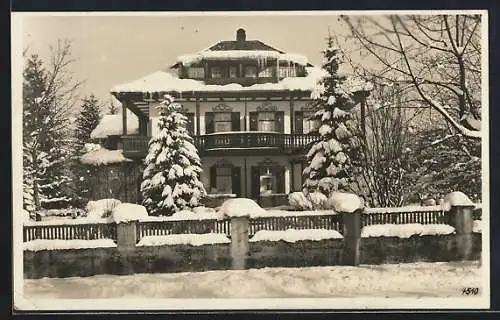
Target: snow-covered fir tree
(46, 142)
(171, 177)
(86, 121)
(329, 160)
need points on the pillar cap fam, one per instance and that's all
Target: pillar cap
(456, 199)
(345, 202)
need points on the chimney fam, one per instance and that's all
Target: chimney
(241, 35)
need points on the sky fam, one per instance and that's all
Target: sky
(112, 50)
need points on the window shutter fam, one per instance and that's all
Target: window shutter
(209, 122)
(190, 123)
(213, 177)
(280, 180)
(280, 121)
(253, 121)
(299, 125)
(236, 181)
(235, 121)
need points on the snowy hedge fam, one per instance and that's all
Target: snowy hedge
(406, 230)
(240, 207)
(185, 239)
(39, 244)
(292, 235)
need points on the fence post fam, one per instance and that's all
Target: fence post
(126, 241)
(461, 220)
(352, 237)
(460, 214)
(239, 242)
(350, 206)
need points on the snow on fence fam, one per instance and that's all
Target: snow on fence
(272, 221)
(84, 231)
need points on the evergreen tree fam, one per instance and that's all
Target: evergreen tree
(86, 121)
(330, 159)
(112, 108)
(171, 177)
(46, 146)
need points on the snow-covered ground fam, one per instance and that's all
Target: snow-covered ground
(441, 279)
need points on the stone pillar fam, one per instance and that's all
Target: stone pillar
(126, 240)
(461, 220)
(460, 208)
(239, 242)
(352, 237)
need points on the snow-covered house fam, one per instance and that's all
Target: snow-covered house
(111, 173)
(247, 104)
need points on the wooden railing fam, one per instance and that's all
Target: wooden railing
(280, 222)
(70, 231)
(163, 228)
(405, 215)
(283, 223)
(137, 146)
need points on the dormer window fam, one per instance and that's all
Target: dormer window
(233, 72)
(216, 72)
(196, 73)
(250, 72)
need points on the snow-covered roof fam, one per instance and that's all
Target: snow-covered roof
(112, 125)
(164, 81)
(98, 155)
(189, 59)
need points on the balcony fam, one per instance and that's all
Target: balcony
(241, 80)
(135, 146)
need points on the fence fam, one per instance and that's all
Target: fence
(168, 226)
(405, 215)
(327, 221)
(239, 252)
(82, 231)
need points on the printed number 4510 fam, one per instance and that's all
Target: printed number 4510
(470, 291)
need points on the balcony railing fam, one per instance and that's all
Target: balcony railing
(137, 146)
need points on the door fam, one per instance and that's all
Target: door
(255, 182)
(236, 181)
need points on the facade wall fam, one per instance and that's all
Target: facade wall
(243, 107)
(246, 164)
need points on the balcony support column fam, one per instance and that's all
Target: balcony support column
(124, 117)
(292, 116)
(197, 116)
(287, 178)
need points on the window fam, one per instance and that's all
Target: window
(285, 72)
(250, 72)
(223, 180)
(216, 72)
(266, 121)
(308, 124)
(266, 73)
(222, 121)
(233, 72)
(196, 73)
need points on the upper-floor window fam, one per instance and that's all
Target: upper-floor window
(285, 72)
(266, 73)
(233, 72)
(266, 121)
(250, 72)
(222, 121)
(216, 72)
(196, 73)
(310, 125)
